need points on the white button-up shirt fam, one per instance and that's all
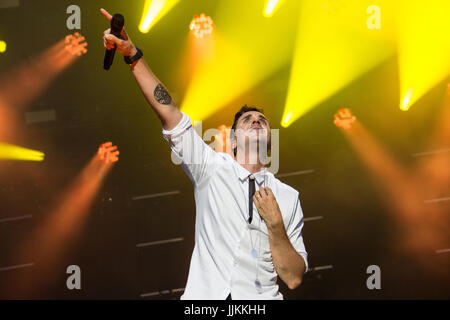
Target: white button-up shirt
(230, 255)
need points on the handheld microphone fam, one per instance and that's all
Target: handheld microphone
(117, 22)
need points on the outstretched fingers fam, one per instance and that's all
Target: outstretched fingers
(106, 14)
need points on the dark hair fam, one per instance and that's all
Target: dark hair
(238, 114)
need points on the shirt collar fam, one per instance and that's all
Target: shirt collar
(259, 176)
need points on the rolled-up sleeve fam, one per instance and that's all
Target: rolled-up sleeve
(294, 232)
(197, 158)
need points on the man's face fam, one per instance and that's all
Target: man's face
(254, 125)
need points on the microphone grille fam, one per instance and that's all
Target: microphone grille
(117, 22)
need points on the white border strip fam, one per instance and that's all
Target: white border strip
(16, 218)
(150, 294)
(437, 200)
(294, 173)
(443, 250)
(155, 195)
(312, 218)
(157, 293)
(419, 154)
(17, 266)
(146, 244)
(322, 268)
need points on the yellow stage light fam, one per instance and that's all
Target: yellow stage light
(11, 152)
(406, 100)
(287, 119)
(2, 46)
(242, 55)
(201, 26)
(214, 83)
(423, 47)
(153, 11)
(271, 7)
(333, 48)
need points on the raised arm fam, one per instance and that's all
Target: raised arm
(154, 91)
(197, 158)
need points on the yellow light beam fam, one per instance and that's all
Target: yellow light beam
(333, 48)
(423, 47)
(215, 82)
(11, 152)
(244, 55)
(153, 11)
(271, 7)
(406, 100)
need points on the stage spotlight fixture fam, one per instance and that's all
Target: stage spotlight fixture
(108, 153)
(201, 25)
(271, 7)
(344, 118)
(406, 100)
(75, 44)
(222, 139)
(153, 11)
(287, 119)
(2, 46)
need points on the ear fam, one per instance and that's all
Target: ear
(234, 143)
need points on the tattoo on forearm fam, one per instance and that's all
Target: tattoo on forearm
(161, 95)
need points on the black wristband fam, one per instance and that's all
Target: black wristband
(131, 59)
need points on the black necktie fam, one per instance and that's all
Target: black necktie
(251, 192)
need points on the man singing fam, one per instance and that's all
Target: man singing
(248, 228)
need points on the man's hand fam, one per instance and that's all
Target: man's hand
(268, 208)
(123, 46)
(288, 263)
